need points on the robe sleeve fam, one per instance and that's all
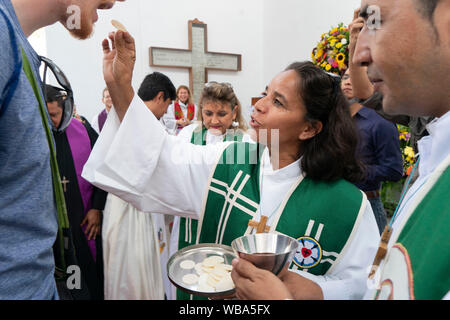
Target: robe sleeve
(138, 161)
(348, 281)
(186, 132)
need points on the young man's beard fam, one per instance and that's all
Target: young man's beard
(85, 30)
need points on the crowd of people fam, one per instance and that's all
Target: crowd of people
(118, 203)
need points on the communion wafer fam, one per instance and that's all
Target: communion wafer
(226, 267)
(199, 268)
(187, 264)
(215, 276)
(225, 284)
(190, 279)
(203, 284)
(218, 272)
(217, 259)
(210, 262)
(116, 24)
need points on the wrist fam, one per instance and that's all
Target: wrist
(122, 96)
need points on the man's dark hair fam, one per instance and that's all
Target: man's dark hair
(54, 94)
(153, 84)
(427, 7)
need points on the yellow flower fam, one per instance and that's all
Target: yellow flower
(339, 45)
(328, 67)
(409, 152)
(319, 53)
(340, 57)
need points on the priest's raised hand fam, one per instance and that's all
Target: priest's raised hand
(118, 64)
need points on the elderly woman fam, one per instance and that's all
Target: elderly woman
(295, 179)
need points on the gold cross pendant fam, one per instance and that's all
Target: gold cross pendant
(260, 226)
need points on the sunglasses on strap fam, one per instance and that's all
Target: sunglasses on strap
(68, 102)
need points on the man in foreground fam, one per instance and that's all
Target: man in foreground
(28, 224)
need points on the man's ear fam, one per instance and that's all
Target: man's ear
(160, 96)
(310, 130)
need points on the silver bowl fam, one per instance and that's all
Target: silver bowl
(269, 251)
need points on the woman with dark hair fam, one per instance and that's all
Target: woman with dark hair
(330, 139)
(294, 181)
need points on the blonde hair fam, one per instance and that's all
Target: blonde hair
(190, 100)
(222, 93)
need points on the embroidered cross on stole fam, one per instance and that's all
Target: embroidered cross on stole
(260, 226)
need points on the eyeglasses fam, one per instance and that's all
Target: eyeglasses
(68, 102)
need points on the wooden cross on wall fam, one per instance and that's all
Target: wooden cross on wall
(197, 58)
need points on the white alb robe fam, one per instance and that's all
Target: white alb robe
(169, 175)
(131, 253)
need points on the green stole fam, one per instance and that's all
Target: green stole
(322, 224)
(322, 216)
(63, 237)
(419, 261)
(188, 226)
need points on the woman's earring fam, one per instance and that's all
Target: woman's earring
(235, 124)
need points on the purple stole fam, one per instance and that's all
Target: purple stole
(102, 119)
(80, 145)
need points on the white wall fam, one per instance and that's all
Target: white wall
(292, 29)
(269, 34)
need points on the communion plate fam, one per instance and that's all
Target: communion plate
(186, 262)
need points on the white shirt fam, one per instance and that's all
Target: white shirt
(154, 179)
(433, 150)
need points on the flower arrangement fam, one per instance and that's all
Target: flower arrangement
(407, 151)
(391, 191)
(331, 53)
